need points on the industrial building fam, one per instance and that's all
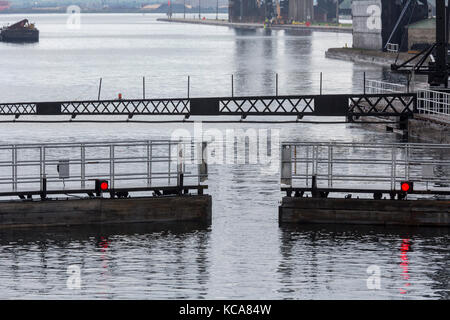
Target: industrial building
(378, 24)
(283, 11)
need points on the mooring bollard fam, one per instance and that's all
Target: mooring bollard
(314, 192)
(180, 183)
(43, 188)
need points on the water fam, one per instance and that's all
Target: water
(244, 254)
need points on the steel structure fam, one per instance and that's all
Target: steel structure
(129, 166)
(438, 66)
(383, 87)
(434, 103)
(323, 168)
(386, 104)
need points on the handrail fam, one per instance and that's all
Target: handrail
(134, 164)
(365, 165)
(383, 87)
(433, 102)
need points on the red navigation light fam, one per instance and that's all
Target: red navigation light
(104, 185)
(100, 186)
(407, 186)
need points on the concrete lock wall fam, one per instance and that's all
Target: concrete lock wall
(367, 24)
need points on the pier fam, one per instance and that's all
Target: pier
(260, 25)
(397, 184)
(103, 183)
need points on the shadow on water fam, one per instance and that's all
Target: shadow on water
(297, 33)
(357, 231)
(85, 232)
(414, 261)
(245, 31)
(126, 261)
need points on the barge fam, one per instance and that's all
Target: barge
(22, 31)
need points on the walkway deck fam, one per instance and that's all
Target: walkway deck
(225, 23)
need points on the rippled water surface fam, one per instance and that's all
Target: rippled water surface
(244, 254)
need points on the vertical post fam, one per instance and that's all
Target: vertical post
(337, 12)
(217, 10)
(143, 88)
(99, 89)
(180, 183)
(180, 162)
(188, 86)
(149, 162)
(241, 10)
(202, 160)
(330, 165)
(393, 167)
(232, 86)
(314, 186)
(169, 162)
(14, 167)
(286, 165)
(307, 165)
(184, 9)
(313, 160)
(440, 72)
(111, 166)
(199, 13)
(42, 166)
(407, 162)
(364, 84)
(320, 83)
(83, 167)
(43, 188)
(276, 84)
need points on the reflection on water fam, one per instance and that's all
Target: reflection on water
(121, 49)
(327, 261)
(174, 261)
(405, 247)
(34, 262)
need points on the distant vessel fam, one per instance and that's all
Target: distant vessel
(22, 31)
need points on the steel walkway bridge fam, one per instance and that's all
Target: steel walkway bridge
(348, 105)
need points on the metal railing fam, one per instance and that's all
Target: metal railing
(392, 47)
(76, 166)
(433, 102)
(365, 165)
(389, 103)
(377, 87)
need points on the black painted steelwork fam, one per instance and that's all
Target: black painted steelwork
(182, 189)
(438, 67)
(324, 192)
(399, 104)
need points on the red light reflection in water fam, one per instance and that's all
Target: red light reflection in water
(103, 244)
(404, 248)
(104, 247)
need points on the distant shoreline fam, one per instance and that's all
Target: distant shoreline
(162, 10)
